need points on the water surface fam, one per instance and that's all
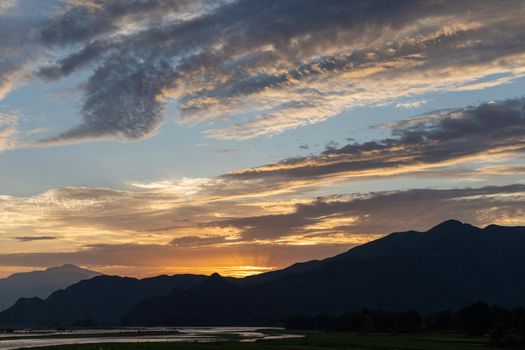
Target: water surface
(35, 338)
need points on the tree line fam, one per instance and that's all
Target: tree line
(505, 327)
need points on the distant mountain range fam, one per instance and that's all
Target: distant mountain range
(449, 266)
(102, 300)
(40, 283)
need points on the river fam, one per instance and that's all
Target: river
(35, 338)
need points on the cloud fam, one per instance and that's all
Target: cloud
(480, 85)
(147, 260)
(19, 44)
(34, 238)
(85, 21)
(224, 151)
(7, 5)
(248, 68)
(15, 55)
(446, 144)
(503, 169)
(411, 104)
(262, 234)
(197, 241)
(436, 140)
(122, 101)
(7, 138)
(248, 205)
(381, 212)
(8, 131)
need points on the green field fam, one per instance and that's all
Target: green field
(312, 341)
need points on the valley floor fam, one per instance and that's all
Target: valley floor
(312, 341)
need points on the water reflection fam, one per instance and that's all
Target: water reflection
(34, 338)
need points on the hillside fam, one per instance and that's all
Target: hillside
(102, 300)
(40, 283)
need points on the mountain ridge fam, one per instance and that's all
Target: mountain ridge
(40, 283)
(450, 265)
(446, 267)
(101, 300)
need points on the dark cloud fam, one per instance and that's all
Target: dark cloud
(332, 146)
(122, 101)
(197, 241)
(383, 212)
(439, 138)
(216, 58)
(73, 62)
(34, 238)
(97, 18)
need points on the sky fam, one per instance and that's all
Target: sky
(145, 137)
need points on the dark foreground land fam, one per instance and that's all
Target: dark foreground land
(312, 341)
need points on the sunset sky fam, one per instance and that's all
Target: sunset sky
(140, 137)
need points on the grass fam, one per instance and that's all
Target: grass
(312, 341)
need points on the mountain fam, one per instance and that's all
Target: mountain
(271, 275)
(102, 300)
(40, 283)
(447, 267)
(451, 265)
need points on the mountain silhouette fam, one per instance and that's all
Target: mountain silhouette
(40, 283)
(447, 267)
(102, 300)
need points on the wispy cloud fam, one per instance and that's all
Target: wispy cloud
(223, 151)
(377, 213)
(8, 131)
(503, 169)
(236, 218)
(226, 237)
(19, 44)
(34, 238)
(243, 69)
(249, 204)
(7, 5)
(439, 139)
(411, 104)
(257, 68)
